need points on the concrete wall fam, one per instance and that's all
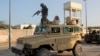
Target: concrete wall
(15, 33)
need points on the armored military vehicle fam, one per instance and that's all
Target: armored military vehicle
(93, 36)
(53, 37)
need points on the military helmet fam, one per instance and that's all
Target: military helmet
(42, 4)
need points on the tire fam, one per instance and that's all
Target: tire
(77, 50)
(43, 52)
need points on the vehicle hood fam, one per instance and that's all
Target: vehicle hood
(29, 39)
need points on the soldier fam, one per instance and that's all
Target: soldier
(44, 12)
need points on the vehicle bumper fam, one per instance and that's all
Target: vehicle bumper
(16, 51)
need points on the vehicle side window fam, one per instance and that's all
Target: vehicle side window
(55, 29)
(77, 29)
(68, 29)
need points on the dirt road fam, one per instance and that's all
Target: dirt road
(88, 50)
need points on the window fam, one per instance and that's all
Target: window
(55, 29)
(77, 29)
(40, 29)
(68, 29)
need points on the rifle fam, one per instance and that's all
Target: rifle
(36, 13)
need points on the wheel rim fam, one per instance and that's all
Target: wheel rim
(78, 50)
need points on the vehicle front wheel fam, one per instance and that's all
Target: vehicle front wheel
(77, 50)
(43, 52)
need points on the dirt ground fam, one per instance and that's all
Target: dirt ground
(88, 50)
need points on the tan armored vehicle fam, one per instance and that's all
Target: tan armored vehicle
(51, 37)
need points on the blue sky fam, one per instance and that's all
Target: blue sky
(22, 11)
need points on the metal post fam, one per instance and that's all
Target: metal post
(86, 13)
(64, 17)
(9, 24)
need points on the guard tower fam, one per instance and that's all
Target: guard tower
(74, 10)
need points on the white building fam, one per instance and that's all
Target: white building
(22, 26)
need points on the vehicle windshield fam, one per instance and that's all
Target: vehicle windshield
(40, 29)
(68, 29)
